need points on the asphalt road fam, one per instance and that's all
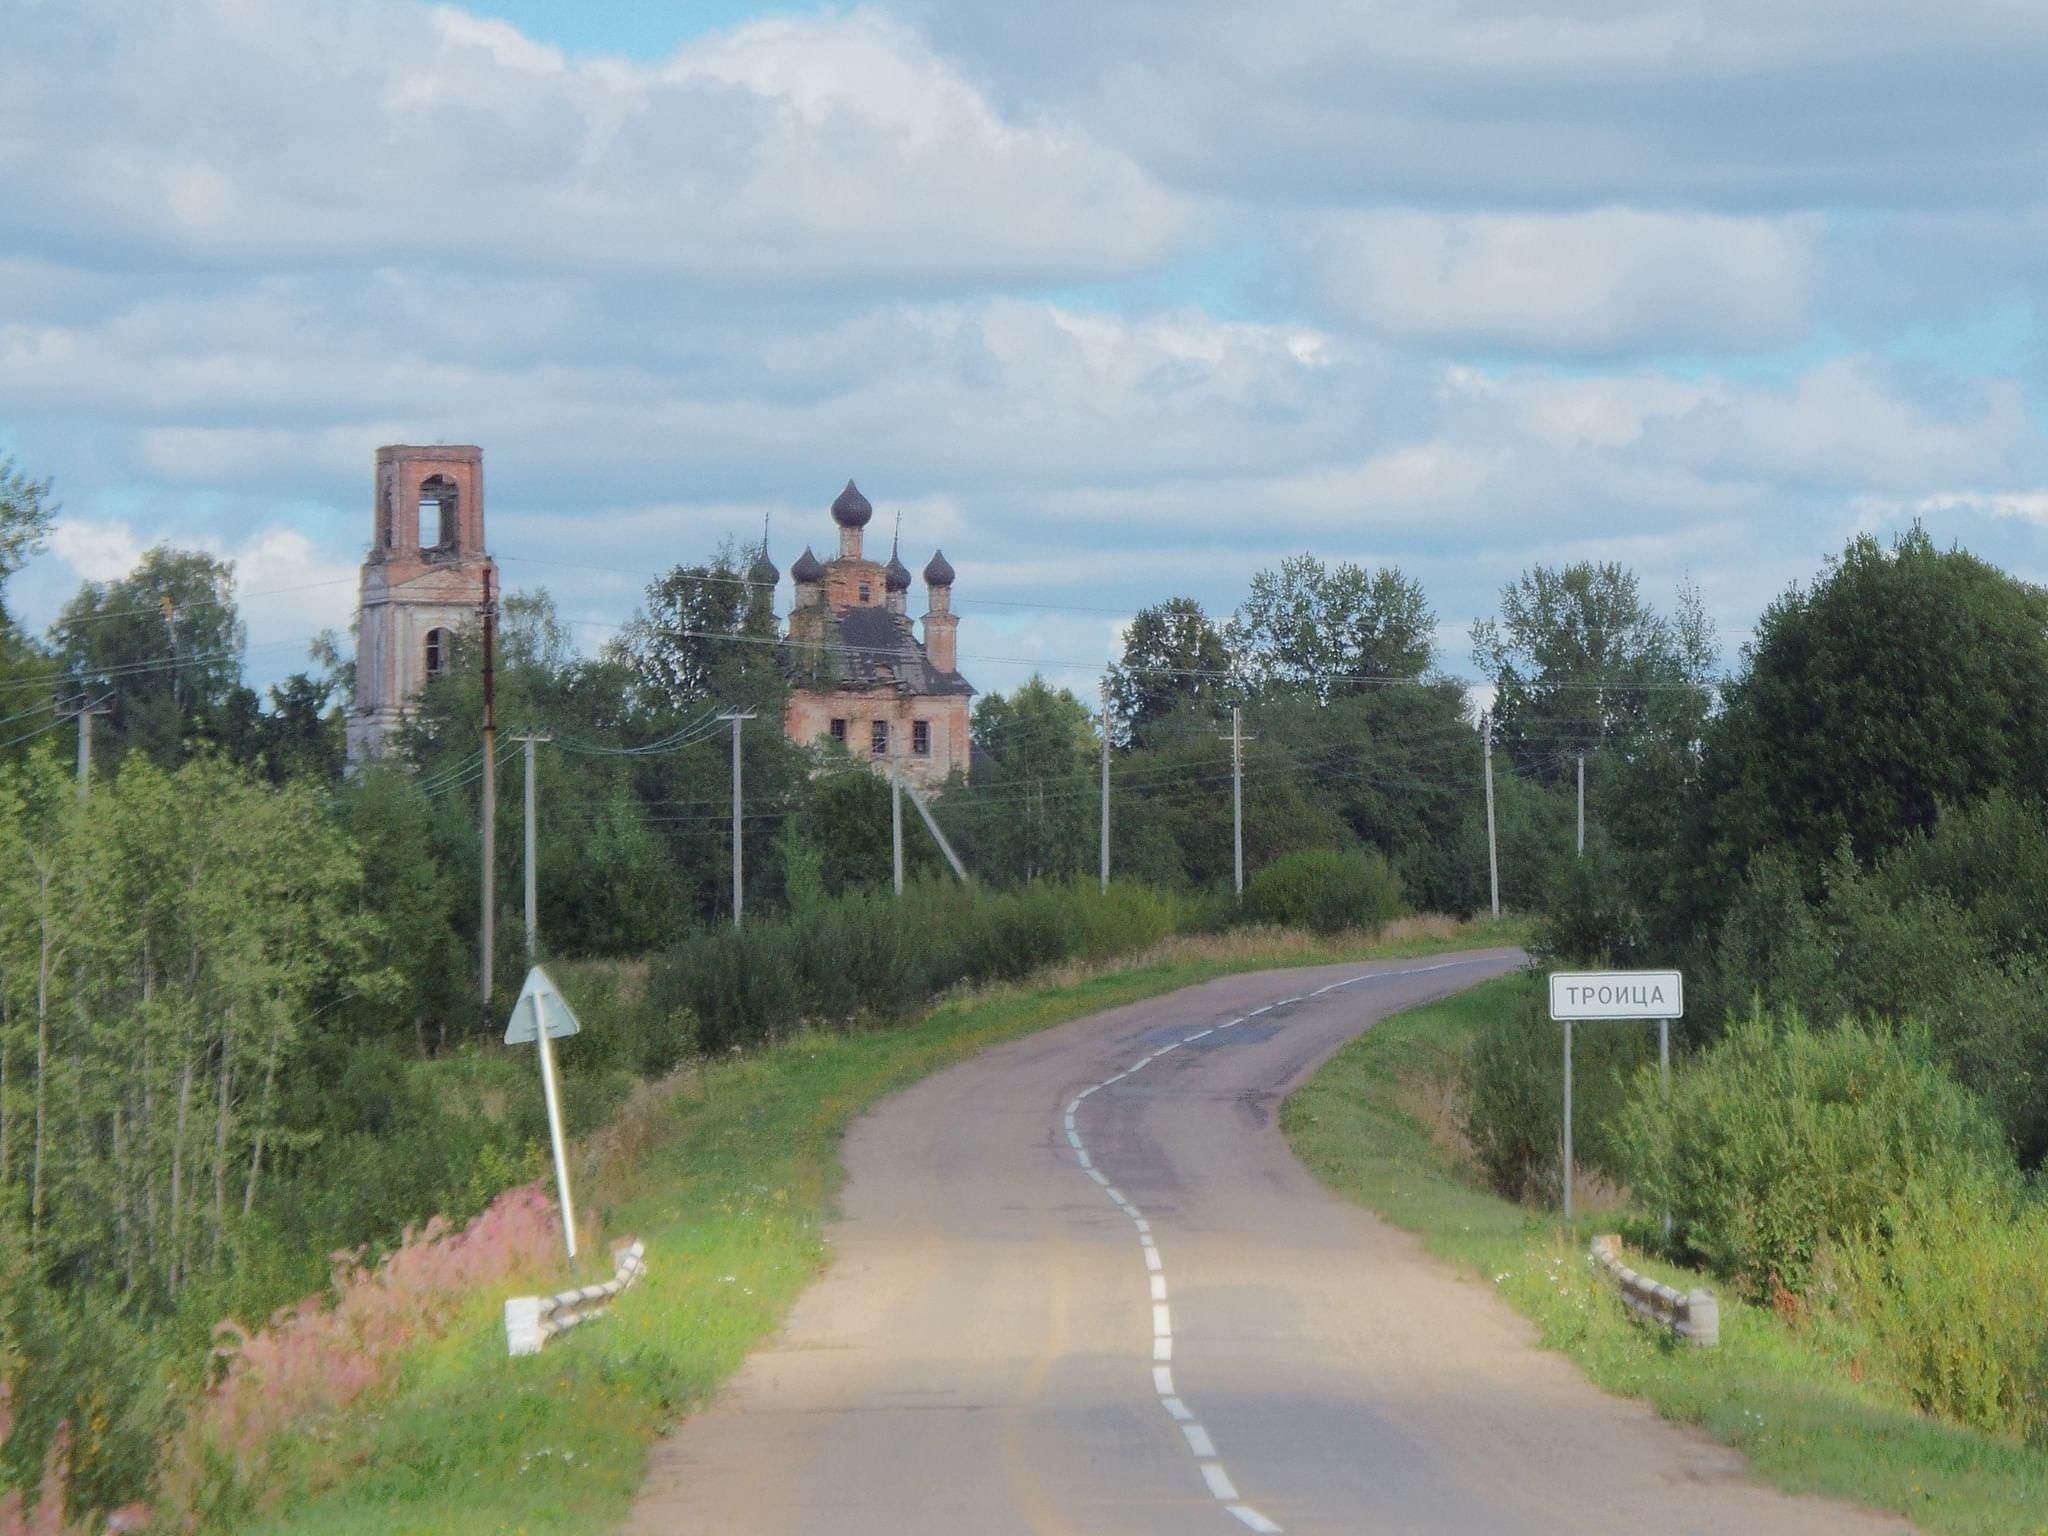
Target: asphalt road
(1073, 1297)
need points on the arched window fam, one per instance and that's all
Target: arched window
(437, 652)
(439, 503)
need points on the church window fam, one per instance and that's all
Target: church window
(839, 731)
(439, 501)
(878, 739)
(437, 652)
(863, 591)
(921, 737)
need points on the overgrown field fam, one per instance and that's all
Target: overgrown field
(1382, 1124)
(728, 1173)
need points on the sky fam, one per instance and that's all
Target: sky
(1115, 300)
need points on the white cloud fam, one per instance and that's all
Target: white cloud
(824, 149)
(1608, 280)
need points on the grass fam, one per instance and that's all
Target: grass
(728, 1174)
(1376, 1125)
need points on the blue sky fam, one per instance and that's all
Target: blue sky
(1114, 299)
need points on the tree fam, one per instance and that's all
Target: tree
(1904, 679)
(1329, 632)
(25, 513)
(165, 640)
(1030, 812)
(706, 634)
(1577, 659)
(1174, 658)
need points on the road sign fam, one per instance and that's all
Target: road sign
(543, 1014)
(540, 998)
(1617, 995)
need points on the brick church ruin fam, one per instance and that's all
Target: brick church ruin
(859, 672)
(426, 577)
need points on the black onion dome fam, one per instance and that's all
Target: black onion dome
(939, 573)
(762, 572)
(852, 510)
(807, 569)
(896, 575)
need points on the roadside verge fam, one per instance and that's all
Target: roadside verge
(1376, 1125)
(728, 1174)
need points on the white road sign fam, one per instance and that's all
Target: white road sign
(1617, 995)
(539, 998)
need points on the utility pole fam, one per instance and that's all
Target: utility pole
(896, 812)
(532, 898)
(1492, 851)
(1582, 805)
(1105, 784)
(85, 713)
(738, 884)
(487, 923)
(1237, 740)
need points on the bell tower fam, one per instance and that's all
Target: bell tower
(425, 578)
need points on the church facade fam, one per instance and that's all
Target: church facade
(426, 578)
(860, 672)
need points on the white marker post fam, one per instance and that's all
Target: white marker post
(1658, 995)
(540, 1014)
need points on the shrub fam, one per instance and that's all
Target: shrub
(1325, 890)
(1514, 1095)
(1781, 1141)
(1947, 1286)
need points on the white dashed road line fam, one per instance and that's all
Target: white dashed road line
(1197, 1436)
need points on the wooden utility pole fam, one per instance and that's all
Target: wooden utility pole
(532, 892)
(487, 924)
(738, 884)
(85, 714)
(1105, 784)
(1492, 853)
(1582, 805)
(1237, 739)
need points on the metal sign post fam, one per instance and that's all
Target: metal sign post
(541, 1014)
(1658, 995)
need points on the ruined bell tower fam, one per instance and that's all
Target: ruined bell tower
(424, 581)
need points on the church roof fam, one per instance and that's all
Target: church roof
(872, 647)
(852, 510)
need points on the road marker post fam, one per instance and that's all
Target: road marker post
(1587, 995)
(541, 1014)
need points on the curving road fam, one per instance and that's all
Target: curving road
(1081, 1286)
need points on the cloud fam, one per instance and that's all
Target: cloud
(1610, 280)
(839, 148)
(1743, 105)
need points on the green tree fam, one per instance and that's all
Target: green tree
(165, 640)
(1331, 631)
(1174, 659)
(1903, 679)
(25, 513)
(705, 634)
(1030, 812)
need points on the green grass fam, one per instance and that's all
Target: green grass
(1371, 1126)
(729, 1181)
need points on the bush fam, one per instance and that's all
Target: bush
(1948, 1287)
(1325, 890)
(877, 956)
(1514, 1095)
(1782, 1141)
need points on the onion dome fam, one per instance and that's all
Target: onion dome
(896, 575)
(807, 570)
(762, 572)
(939, 573)
(852, 510)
